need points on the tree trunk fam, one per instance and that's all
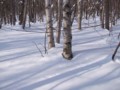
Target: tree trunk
(79, 13)
(59, 22)
(113, 56)
(67, 47)
(0, 23)
(21, 12)
(73, 13)
(13, 12)
(107, 15)
(102, 17)
(49, 24)
(24, 14)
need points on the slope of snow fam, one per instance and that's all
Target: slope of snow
(23, 68)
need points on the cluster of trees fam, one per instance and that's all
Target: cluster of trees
(63, 11)
(12, 11)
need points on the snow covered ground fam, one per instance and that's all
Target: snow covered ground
(23, 68)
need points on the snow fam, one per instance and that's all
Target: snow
(23, 68)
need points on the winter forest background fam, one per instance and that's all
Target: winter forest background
(59, 11)
(48, 44)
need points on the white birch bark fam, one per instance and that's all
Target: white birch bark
(79, 2)
(59, 22)
(49, 24)
(67, 47)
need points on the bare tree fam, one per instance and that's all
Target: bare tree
(67, 47)
(24, 14)
(107, 15)
(79, 13)
(59, 22)
(49, 24)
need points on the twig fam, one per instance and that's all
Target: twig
(46, 52)
(38, 49)
(113, 56)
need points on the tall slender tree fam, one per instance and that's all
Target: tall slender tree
(24, 14)
(59, 21)
(107, 13)
(49, 24)
(67, 47)
(80, 3)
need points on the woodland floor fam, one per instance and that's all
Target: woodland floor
(23, 68)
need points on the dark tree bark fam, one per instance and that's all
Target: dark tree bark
(107, 15)
(113, 57)
(24, 14)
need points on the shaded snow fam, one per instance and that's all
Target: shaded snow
(23, 68)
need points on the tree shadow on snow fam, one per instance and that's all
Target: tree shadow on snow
(67, 75)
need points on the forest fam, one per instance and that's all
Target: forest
(59, 44)
(59, 11)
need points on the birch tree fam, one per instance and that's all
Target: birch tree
(24, 14)
(67, 47)
(59, 23)
(49, 24)
(79, 2)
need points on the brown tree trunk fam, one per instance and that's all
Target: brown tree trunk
(21, 12)
(24, 14)
(102, 17)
